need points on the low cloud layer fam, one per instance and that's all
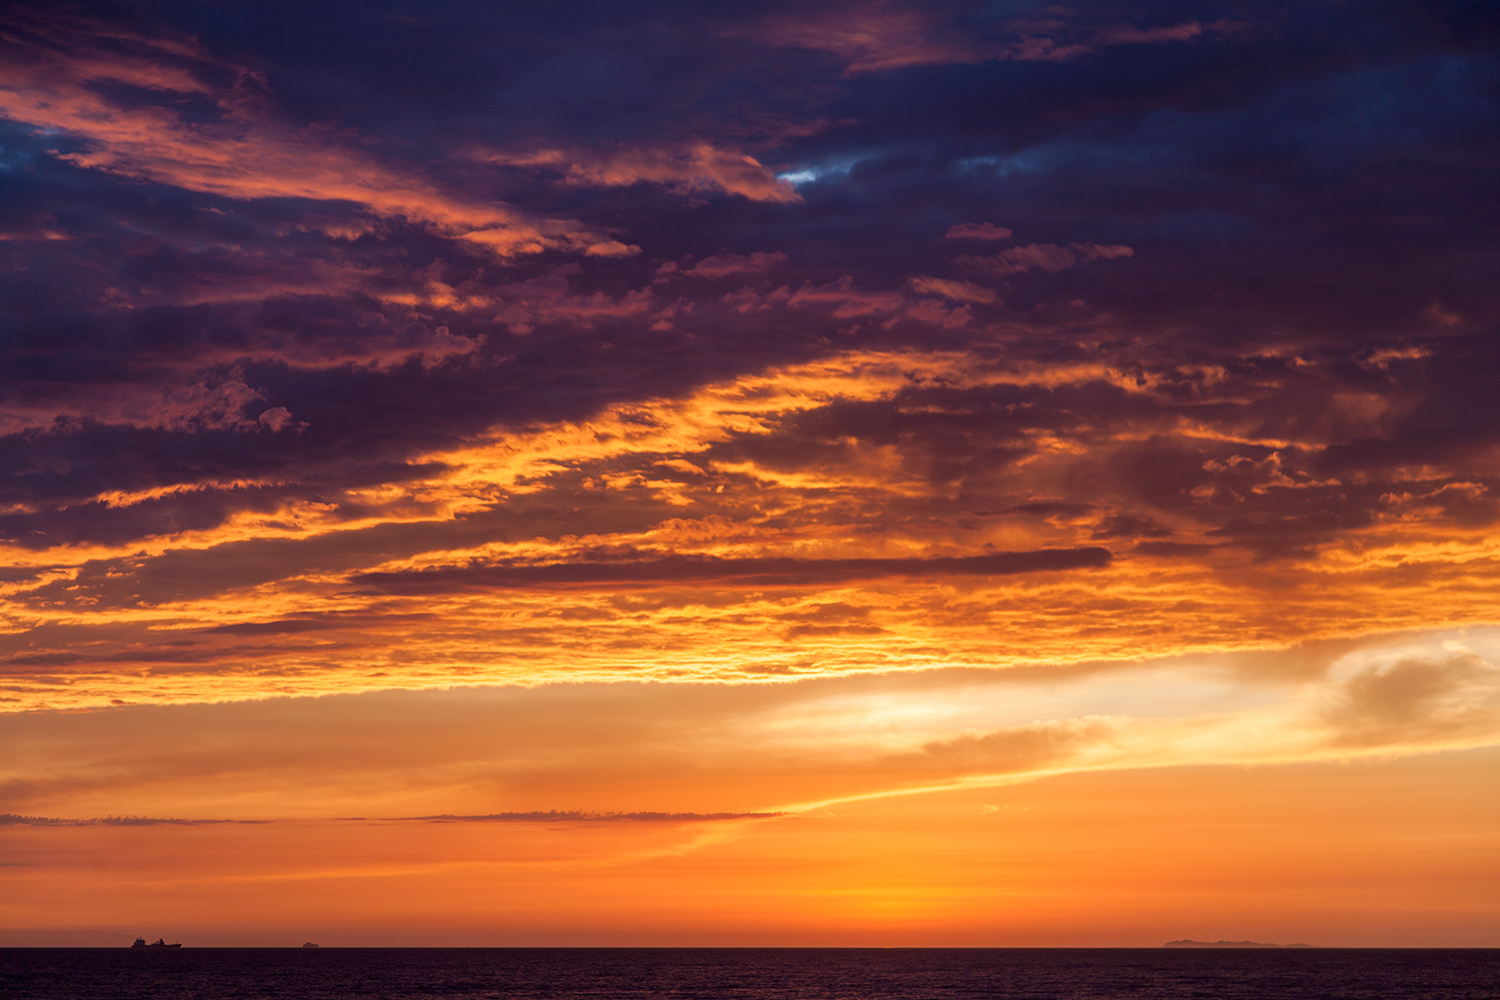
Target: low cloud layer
(699, 752)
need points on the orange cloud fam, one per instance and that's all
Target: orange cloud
(699, 533)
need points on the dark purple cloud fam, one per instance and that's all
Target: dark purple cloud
(750, 572)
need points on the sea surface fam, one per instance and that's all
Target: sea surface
(746, 973)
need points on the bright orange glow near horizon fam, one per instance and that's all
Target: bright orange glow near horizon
(667, 478)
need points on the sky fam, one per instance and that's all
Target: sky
(816, 473)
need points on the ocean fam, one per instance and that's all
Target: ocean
(747, 973)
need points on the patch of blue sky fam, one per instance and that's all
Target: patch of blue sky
(827, 172)
(22, 142)
(14, 156)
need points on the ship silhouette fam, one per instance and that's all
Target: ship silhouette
(158, 943)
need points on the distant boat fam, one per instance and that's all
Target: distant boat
(309, 944)
(158, 943)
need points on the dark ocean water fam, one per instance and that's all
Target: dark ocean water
(748, 973)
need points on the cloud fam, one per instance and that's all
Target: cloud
(870, 38)
(550, 816)
(1033, 747)
(689, 168)
(573, 751)
(523, 306)
(1415, 699)
(882, 37)
(1047, 257)
(725, 265)
(277, 418)
(977, 231)
(959, 291)
(244, 152)
(1126, 34)
(554, 816)
(1098, 251)
(252, 352)
(752, 572)
(1061, 37)
(10, 819)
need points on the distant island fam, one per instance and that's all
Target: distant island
(1186, 943)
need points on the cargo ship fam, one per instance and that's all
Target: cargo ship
(158, 943)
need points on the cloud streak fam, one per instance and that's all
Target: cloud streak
(751, 572)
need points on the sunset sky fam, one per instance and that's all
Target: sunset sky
(791, 473)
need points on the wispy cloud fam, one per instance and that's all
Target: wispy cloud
(11, 819)
(58, 79)
(873, 38)
(554, 816)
